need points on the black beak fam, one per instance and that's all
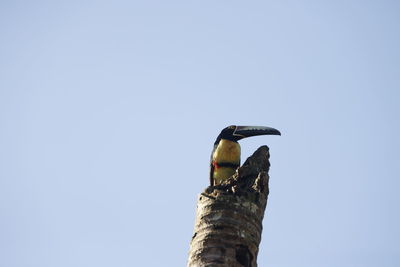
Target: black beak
(247, 131)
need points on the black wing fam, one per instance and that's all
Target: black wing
(212, 168)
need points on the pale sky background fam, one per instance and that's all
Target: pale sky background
(109, 110)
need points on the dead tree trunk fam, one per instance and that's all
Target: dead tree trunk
(229, 217)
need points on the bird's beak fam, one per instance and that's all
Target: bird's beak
(247, 131)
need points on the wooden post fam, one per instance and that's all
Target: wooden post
(229, 216)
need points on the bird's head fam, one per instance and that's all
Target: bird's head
(235, 133)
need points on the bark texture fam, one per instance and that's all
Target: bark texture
(229, 217)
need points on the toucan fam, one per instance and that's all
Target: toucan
(225, 157)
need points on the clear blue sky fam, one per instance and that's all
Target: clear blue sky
(109, 109)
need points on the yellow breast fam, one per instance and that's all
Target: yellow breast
(227, 151)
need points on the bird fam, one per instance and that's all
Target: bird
(225, 157)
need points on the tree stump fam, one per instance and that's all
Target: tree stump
(229, 217)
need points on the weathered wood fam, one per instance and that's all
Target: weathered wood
(229, 217)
